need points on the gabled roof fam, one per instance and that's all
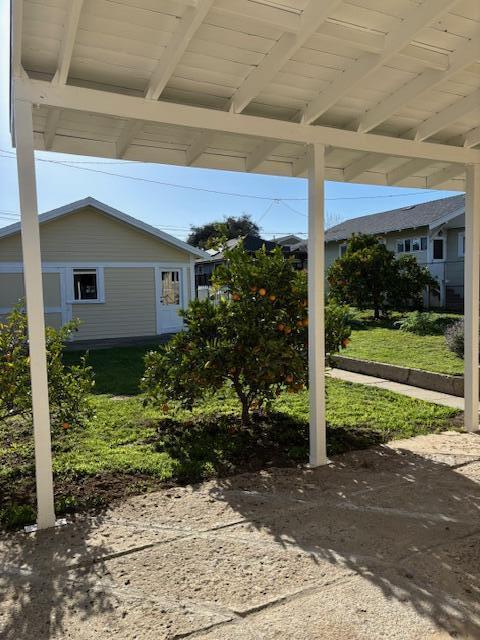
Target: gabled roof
(113, 213)
(250, 242)
(419, 215)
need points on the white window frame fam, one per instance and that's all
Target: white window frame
(461, 244)
(400, 242)
(100, 284)
(418, 242)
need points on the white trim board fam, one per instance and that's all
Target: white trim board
(113, 213)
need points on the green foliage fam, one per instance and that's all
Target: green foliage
(68, 386)
(337, 327)
(255, 339)
(455, 338)
(424, 323)
(368, 275)
(14, 516)
(212, 234)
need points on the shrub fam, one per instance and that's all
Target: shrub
(423, 323)
(254, 340)
(455, 338)
(68, 386)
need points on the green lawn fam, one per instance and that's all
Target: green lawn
(128, 448)
(392, 346)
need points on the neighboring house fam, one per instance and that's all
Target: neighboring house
(205, 267)
(121, 277)
(433, 232)
(296, 249)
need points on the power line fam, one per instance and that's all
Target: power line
(173, 185)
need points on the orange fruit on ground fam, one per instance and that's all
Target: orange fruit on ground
(262, 292)
(345, 342)
(66, 425)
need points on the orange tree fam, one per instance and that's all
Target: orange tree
(68, 386)
(254, 339)
(369, 276)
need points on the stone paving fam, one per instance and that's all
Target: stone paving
(383, 543)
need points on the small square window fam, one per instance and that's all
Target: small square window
(85, 284)
(423, 243)
(407, 245)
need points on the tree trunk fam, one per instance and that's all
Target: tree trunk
(245, 413)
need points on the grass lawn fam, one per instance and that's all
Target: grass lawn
(128, 448)
(392, 346)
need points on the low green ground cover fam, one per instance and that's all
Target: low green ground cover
(384, 342)
(128, 448)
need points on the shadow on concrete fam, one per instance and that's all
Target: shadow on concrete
(37, 588)
(407, 524)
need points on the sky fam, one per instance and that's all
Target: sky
(279, 205)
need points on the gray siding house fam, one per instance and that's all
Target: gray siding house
(433, 232)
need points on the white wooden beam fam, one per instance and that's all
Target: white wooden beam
(63, 65)
(365, 163)
(16, 38)
(68, 41)
(316, 304)
(188, 24)
(472, 138)
(131, 107)
(130, 131)
(466, 54)
(32, 268)
(444, 175)
(372, 42)
(369, 62)
(277, 17)
(312, 17)
(471, 296)
(53, 118)
(259, 154)
(407, 169)
(198, 147)
(443, 118)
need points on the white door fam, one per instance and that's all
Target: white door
(170, 299)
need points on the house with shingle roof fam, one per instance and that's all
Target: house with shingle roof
(433, 232)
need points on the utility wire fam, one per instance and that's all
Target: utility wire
(173, 185)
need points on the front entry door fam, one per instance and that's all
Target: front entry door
(169, 299)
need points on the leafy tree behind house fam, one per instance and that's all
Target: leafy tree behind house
(212, 234)
(369, 276)
(68, 386)
(254, 340)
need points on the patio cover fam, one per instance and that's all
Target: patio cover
(385, 92)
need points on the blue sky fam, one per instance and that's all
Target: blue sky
(176, 209)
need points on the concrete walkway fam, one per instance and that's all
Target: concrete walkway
(381, 544)
(404, 389)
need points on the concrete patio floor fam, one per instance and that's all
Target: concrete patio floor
(383, 543)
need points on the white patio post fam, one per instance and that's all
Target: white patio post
(471, 295)
(316, 304)
(32, 269)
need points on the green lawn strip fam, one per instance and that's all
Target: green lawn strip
(117, 370)
(392, 346)
(127, 448)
